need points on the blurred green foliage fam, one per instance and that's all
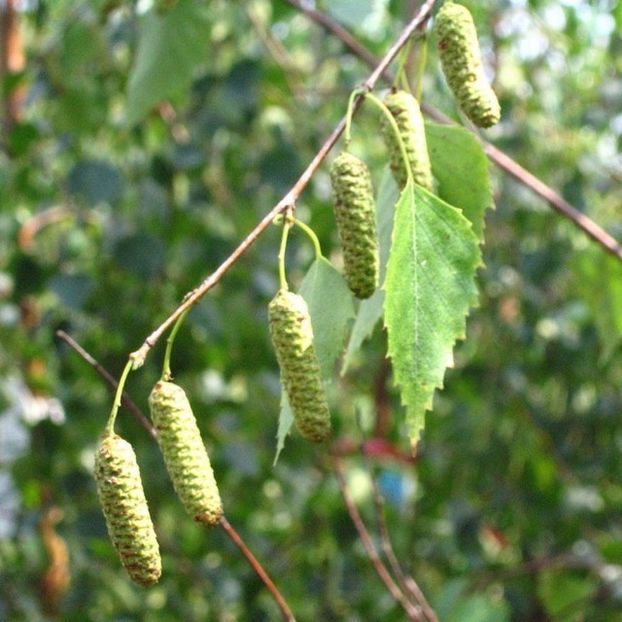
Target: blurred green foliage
(137, 165)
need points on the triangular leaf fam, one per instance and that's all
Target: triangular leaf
(460, 167)
(370, 310)
(430, 286)
(331, 308)
(170, 47)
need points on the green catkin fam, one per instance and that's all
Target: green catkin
(292, 336)
(407, 114)
(462, 64)
(356, 223)
(186, 459)
(125, 508)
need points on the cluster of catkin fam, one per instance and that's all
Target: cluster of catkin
(116, 470)
(290, 324)
(120, 487)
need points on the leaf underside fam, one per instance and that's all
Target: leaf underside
(331, 308)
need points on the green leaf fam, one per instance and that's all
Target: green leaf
(455, 604)
(563, 593)
(170, 48)
(370, 310)
(365, 14)
(331, 307)
(599, 281)
(430, 286)
(460, 167)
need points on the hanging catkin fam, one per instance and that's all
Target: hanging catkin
(356, 223)
(292, 336)
(186, 459)
(125, 508)
(462, 64)
(407, 114)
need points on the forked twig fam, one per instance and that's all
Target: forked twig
(411, 610)
(407, 582)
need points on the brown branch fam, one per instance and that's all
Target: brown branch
(289, 200)
(412, 612)
(224, 523)
(375, 448)
(258, 568)
(110, 380)
(381, 400)
(498, 157)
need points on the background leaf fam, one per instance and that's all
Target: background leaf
(563, 593)
(460, 168)
(430, 286)
(331, 306)
(170, 48)
(599, 280)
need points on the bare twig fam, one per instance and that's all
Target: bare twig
(276, 50)
(498, 157)
(110, 380)
(224, 523)
(258, 568)
(381, 570)
(289, 200)
(407, 583)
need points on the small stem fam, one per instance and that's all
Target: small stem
(282, 278)
(110, 380)
(389, 117)
(423, 59)
(166, 366)
(259, 570)
(116, 404)
(411, 611)
(401, 70)
(311, 234)
(356, 93)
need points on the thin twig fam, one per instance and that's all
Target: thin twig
(224, 523)
(289, 200)
(110, 380)
(276, 50)
(258, 568)
(381, 570)
(498, 157)
(407, 583)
